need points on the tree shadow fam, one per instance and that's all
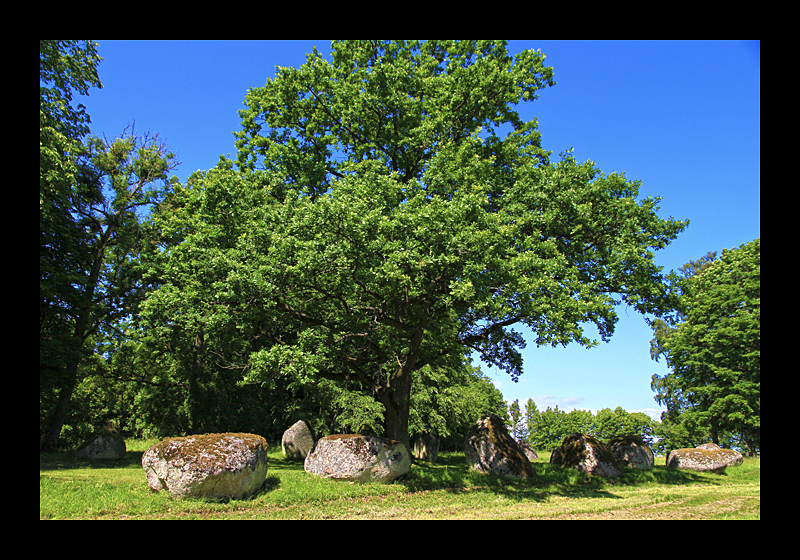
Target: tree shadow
(451, 473)
(68, 461)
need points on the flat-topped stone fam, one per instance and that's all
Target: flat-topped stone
(358, 458)
(220, 466)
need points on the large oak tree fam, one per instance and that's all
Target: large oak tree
(391, 210)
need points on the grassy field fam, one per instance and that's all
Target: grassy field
(74, 489)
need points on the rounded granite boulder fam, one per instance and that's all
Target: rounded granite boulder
(632, 451)
(217, 466)
(706, 457)
(358, 458)
(298, 441)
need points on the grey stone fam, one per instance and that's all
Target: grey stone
(105, 446)
(584, 453)
(298, 441)
(706, 457)
(426, 447)
(528, 450)
(358, 458)
(217, 466)
(632, 451)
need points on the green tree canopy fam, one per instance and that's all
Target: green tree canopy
(90, 192)
(380, 221)
(65, 68)
(713, 348)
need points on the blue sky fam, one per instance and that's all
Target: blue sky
(682, 117)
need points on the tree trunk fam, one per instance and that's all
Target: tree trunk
(65, 394)
(714, 432)
(397, 401)
(62, 408)
(396, 396)
(195, 375)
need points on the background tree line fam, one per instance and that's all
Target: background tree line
(545, 429)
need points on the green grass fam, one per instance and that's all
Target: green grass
(74, 489)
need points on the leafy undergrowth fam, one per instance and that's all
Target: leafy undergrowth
(447, 489)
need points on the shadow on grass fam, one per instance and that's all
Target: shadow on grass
(451, 473)
(64, 460)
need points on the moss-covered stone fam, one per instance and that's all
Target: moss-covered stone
(221, 466)
(489, 448)
(632, 451)
(358, 458)
(586, 454)
(704, 458)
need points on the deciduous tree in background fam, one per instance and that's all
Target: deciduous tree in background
(89, 194)
(713, 347)
(65, 68)
(547, 428)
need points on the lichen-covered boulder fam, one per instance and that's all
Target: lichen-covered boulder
(105, 446)
(298, 441)
(217, 466)
(632, 451)
(586, 454)
(706, 457)
(358, 458)
(426, 447)
(490, 449)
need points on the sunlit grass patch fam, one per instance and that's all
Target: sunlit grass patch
(447, 489)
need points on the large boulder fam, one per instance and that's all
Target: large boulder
(358, 458)
(217, 466)
(298, 441)
(586, 454)
(632, 451)
(104, 446)
(490, 449)
(426, 447)
(706, 457)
